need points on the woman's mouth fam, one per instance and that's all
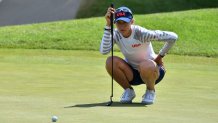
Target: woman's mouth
(122, 30)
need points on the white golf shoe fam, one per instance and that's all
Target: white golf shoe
(127, 96)
(149, 97)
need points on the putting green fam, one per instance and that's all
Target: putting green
(73, 85)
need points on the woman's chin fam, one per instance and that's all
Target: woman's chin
(122, 32)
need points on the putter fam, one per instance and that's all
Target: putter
(112, 54)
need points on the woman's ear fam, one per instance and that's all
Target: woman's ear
(132, 21)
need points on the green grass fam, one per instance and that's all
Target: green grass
(92, 8)
(197, 30)
(36, 84)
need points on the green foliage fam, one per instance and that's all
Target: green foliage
(93, 8)
(197, 30)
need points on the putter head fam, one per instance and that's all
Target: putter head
(109, 103)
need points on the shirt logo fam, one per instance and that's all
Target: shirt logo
(136, 45)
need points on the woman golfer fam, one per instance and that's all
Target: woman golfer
(141, 65)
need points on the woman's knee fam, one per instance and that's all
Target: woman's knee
(116, 60)
(147, 66)
(119, 64)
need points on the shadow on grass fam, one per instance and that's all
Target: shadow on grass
(104, 104)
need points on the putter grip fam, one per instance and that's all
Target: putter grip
(112, 17)
(112, 5)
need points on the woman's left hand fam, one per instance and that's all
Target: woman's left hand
(158, 60)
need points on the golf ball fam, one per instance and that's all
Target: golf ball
(54, 118)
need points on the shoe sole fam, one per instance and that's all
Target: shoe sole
(127, 102)
(147, 103)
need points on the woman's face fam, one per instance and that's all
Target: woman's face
(124, 27)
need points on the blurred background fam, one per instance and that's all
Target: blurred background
(13, 12)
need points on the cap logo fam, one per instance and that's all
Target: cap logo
(121, 14)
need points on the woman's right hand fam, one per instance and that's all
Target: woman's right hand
(108, 15)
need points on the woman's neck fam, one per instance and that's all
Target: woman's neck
(128, 34)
